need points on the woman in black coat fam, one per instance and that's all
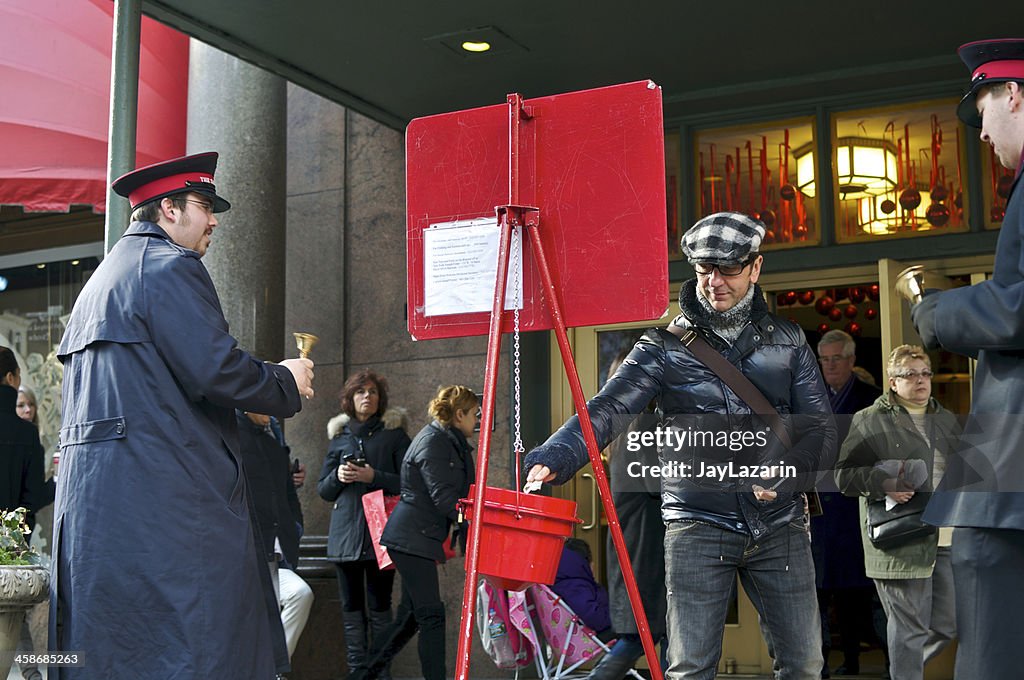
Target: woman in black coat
(437, 471)
(368, 441)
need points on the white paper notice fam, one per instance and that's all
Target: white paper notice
(460, 264)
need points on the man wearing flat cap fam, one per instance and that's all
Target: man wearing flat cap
(156, 572)
(982, 493)
(727, 511)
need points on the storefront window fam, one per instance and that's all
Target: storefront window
(760, 170)
(854, 309)
(898, 172)
(35, 302)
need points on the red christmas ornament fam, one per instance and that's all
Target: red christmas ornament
(910, 199)
(997, 213)
(870, 313)
(850, 312)
(874, 292)
(887, 207)
(790, 298)
(835, 314)
(824, 305)
(801, 231)
(806, 297)
(769, 236)
(937, 215)
(1004, 185)
(787, 192)
(780, 300)
(768, 217)
(853, 328)
(842, 293)
(857, 295)
(940, 192)
(824, 328)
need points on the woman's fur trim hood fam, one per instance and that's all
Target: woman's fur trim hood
(394, 418)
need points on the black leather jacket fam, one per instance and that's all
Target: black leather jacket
(773, 354)
(437, 471)
(21, 460)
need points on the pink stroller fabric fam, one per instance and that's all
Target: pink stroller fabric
(560, 640)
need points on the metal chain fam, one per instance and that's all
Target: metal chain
(517, 262)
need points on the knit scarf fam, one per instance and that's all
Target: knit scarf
(728, 324)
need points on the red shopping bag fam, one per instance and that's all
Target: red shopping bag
(377, 508)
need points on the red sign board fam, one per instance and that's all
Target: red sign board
(592, 162)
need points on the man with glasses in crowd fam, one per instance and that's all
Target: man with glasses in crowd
(985, 484)
(721, 526)
(835, 533)
(156, 572)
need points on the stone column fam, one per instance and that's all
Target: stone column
(239, 110)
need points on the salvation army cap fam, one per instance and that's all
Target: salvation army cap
(723, 238)
(186, 174)
(989, 61)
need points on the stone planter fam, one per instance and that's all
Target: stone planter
(21, 587)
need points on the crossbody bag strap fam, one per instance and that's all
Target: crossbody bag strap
(732, 377)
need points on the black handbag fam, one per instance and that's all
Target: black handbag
(899, 526)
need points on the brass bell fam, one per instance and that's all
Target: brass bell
(305, 343)
(913, 281)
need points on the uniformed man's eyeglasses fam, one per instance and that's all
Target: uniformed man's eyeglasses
(707, 268)
(207, 207)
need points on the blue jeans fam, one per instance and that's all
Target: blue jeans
(777, 573)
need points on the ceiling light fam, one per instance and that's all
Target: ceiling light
(40, 266)
(3, 283)
(482, 42)
(74, 263)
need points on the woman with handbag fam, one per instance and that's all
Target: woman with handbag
(437, 471)
(367, 443)
(893, 458)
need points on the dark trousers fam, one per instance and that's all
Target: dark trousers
(854, 616)
(989, 601)
(421, 609)
(421, 598)
(361, 583)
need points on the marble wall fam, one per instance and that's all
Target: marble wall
(345, 281)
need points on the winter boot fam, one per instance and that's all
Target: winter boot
(611, 667)
(401, 631)
(355, 640)
(431, 620)
(380, 622)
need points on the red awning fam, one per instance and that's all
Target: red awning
(55, 100)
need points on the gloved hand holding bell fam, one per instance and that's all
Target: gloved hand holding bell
(910, 284)
(913, 282)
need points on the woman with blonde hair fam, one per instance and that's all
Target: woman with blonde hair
(896, 453)
(436, 472)
(27, 406)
